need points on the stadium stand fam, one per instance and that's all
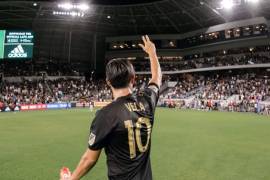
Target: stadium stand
(215, 67)
(258, 55)
(245, 92)
(232, 92)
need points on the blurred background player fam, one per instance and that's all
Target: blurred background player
(91, 106)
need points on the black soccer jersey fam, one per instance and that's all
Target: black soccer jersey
(123, 129)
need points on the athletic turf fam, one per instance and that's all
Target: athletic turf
(186, 145)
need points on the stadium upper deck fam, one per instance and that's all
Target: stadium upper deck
(62, 36)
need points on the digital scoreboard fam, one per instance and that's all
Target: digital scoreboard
(16, 44)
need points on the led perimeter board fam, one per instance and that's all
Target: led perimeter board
(16, 44)
(2, 41)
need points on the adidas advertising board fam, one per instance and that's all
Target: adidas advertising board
(18, 52)
(16, 44)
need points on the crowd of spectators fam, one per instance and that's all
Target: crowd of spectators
(242, 92)
(217, 60)
(60, 90)
(235, 92)
(210, 90)
(245, 56)
(51, 91)
(30, 68)
(221, 87)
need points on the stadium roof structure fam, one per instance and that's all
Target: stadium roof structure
(129, 17)
(61, 37)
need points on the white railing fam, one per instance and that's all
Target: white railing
(36, 78)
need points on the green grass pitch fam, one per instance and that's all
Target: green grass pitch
(186, 145)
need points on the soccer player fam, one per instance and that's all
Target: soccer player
(91, 106)
(123, 128)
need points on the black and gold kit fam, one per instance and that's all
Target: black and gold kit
(123, 129)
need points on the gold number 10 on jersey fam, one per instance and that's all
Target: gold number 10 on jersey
(131, 138)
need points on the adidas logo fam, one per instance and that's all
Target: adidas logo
(17, 52)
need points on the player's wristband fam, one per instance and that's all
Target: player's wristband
(153, 84)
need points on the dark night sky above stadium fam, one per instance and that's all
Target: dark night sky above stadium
(121, 2)
(118, 2)
(112, 2)
(102, 2)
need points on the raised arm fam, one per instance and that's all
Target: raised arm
(150, 49)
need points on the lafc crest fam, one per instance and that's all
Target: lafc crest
(92, 139)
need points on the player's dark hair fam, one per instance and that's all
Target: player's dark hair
(119, 73)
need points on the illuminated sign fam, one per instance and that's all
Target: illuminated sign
(16, 44)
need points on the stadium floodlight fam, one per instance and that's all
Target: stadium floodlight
(73, 13)
(66, 6)
(82, 7)
(69, 6)
(68, 13)
(252, 1)
(227, 4)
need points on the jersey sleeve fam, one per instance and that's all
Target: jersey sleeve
(100, 129)
(151, 95)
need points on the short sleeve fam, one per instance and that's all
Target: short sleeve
(100, 129)
(151, 94)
